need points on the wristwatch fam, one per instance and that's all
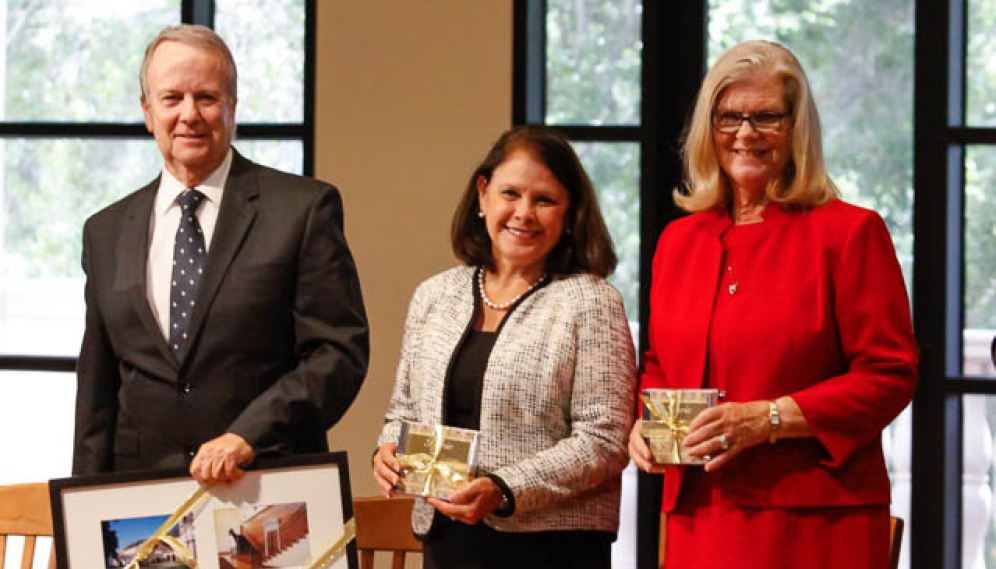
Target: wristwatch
(775, 421)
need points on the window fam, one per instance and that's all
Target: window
(72, 140)
(591, 87)
(955, 415)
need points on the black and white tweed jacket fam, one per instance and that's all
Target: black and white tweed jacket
(557, 401)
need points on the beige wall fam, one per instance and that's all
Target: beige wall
(409, 97)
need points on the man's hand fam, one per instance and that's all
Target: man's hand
(219, 459)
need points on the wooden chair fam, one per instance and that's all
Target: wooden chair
(384, 524)
(895, 541)
(25, 511)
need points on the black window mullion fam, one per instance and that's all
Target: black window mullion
(674, 55)
(197, 12)
(71, 129)
(935, 527)
(308, 127)
(37, 363)
(287, 131)
(587, 133)
(972, 135)
(529, 62)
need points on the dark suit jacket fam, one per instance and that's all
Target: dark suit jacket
(279, 341)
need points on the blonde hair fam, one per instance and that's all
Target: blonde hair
(192, 35)
(805, 182)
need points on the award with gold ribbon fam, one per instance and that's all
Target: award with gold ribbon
(436, 460)
(287, 512)
(665, 418)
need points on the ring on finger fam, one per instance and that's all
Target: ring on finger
(724, 441)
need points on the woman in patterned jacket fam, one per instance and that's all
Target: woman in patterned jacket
(527, 343)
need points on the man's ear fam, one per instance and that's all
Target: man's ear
(147, 112)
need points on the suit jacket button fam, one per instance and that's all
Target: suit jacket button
(191, 452)
(186, 388)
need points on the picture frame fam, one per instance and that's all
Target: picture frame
(283, 513)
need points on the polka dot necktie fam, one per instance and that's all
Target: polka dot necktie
(188, 264)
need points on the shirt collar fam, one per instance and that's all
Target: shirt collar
(212, 187)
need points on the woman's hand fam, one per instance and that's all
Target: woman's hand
(386, 469)
(640, 452)
(473, 503)
(723, 431)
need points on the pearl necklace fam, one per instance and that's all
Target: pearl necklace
(503, 305)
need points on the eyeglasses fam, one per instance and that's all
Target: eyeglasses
(764, 121)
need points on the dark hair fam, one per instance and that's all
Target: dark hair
(584, 246)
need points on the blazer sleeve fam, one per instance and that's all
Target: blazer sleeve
(97, 382)
(601, 412)
(652, 373)
(875, 332)
(331, 335)
(403, 406)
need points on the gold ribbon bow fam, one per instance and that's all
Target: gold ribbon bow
(453, 472)
(668, 417)
(184, 555)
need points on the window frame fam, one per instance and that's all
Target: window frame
(940, 139)
(191, 12)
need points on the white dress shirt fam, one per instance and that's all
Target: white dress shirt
(162, 233)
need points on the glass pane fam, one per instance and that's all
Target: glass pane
(285, 155)
(48, 188)
(868, 146)
(980, 64)
(40, 408)
(978, 538)
(267, 40)
(980, 262)
(77, 60)
(593, 61)
(614, 169)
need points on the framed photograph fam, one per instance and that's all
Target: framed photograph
(283, 514)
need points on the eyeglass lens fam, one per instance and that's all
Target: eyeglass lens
(763, 121)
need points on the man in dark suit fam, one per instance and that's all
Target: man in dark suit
(224, 318)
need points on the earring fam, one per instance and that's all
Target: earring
(480, 214)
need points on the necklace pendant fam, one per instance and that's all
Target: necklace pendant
(733, 289)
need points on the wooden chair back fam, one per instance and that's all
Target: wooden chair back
(895, 540)
(384, 524)
(25, 511)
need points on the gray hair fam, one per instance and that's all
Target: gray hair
(197, 36)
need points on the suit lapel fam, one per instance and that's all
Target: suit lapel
(133, 253)
(235, 217)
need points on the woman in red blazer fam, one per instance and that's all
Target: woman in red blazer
(793, 303)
